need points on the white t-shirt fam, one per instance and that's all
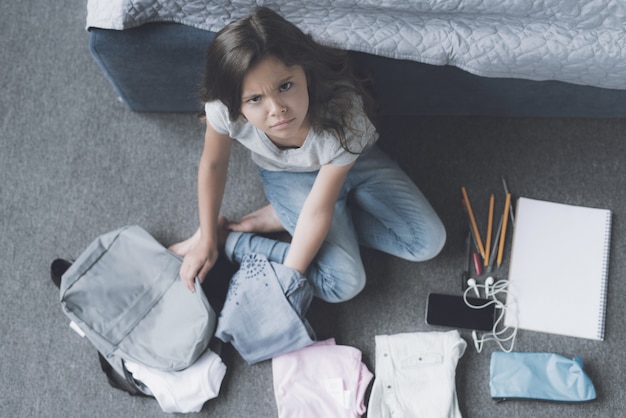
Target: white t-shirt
(186, 390)
(317, 150)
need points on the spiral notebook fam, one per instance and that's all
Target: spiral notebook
(559, 269)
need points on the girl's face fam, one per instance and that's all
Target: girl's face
(275, 99)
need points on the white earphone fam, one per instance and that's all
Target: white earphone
(471, 282)
(500, 334)
(489, 281)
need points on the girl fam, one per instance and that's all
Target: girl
(299, 109)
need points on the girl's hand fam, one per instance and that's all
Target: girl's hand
(203, 251)
(197, 263)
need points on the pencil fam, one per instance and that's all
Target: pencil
(469, 225)
(470, 213)
(468, 255)
(506, 191)
(489, 228)
(507, 205)
(492, 257)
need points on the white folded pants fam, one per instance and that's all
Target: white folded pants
(415, 375)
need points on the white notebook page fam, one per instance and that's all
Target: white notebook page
(559, 269)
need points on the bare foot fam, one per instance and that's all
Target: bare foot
(263, 220)
(183, 247)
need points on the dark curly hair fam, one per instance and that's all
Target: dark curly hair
(333, 85)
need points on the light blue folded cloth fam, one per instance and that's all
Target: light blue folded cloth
(263, 315)
(543, 376)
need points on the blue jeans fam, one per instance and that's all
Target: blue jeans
(378, 207)
(259, 293)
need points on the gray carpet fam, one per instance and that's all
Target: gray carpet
(74, 163)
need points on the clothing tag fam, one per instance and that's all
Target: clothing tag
(335, 388)
(348, 400)
(77, 329)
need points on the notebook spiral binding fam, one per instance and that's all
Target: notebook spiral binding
(605, 277)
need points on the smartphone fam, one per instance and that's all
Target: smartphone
(452, 311)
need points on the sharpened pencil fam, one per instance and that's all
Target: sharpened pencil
(506, 191)
(489, 228)
(475, 230)
(507, 205)
(492, 257)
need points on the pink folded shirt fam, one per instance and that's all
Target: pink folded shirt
(320, 381)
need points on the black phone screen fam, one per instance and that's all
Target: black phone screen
(452, 311)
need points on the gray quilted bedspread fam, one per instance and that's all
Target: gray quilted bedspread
(576, 41)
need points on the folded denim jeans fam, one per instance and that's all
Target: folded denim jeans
(263, 315)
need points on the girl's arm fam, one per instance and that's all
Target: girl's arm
(316, 216)
(211, 183)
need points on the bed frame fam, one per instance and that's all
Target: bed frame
(157, 67)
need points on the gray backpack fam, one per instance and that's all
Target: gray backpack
(124, 295)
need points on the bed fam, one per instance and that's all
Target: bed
(552, 58)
